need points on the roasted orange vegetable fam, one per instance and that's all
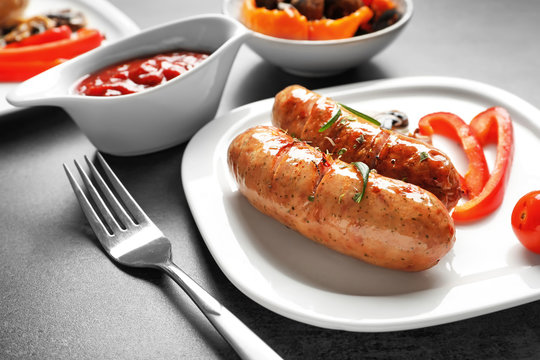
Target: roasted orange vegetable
(345, 27)
(285, 24)
(290, 24)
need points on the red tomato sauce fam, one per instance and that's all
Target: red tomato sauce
(136, 75)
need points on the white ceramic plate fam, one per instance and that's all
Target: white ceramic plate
(486, 271)
(100, 14)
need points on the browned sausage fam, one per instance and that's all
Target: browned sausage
(302, 113)
(396, 225)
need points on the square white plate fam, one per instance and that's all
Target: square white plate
(486, 271)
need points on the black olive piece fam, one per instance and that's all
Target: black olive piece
(387, 18)
(74, 19)
(361, 31)
(335, 9)
(269, 4)
(311, 9)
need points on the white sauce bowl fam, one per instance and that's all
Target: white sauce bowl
(156, 118)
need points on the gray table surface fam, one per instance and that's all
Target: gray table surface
(61, 297)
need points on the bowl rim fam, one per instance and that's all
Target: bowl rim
(406, 16)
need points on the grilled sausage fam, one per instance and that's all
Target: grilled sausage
(302, 113)
(396, 225)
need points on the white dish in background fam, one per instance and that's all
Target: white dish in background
(486, 271)
(322, 58)
(100, 14)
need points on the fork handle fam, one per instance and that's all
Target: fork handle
(246, 343)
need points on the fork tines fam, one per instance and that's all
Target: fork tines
(106, 213)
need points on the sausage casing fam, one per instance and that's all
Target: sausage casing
(302, 113)
(396, 225)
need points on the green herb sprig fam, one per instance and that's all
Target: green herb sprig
(364, 170)
(331, 121)
(359, 114)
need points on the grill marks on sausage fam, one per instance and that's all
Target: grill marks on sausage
(297, 173)
(303, 112)
(433, 173)
(368, 150)
(289, 176)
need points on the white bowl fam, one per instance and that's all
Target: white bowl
(321, 58)
(154, 119)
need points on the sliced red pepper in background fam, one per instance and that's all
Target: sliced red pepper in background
(20, 71)
(453, 127)
(492, 125)
(57, 33)
(85, 40)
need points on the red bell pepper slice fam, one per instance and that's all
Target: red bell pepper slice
(85, 40)
(20, 71)
(492, 125)
(453, 127)
(57, 33)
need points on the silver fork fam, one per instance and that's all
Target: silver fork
(132, 239)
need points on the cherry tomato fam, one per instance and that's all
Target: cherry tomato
(526, 221)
